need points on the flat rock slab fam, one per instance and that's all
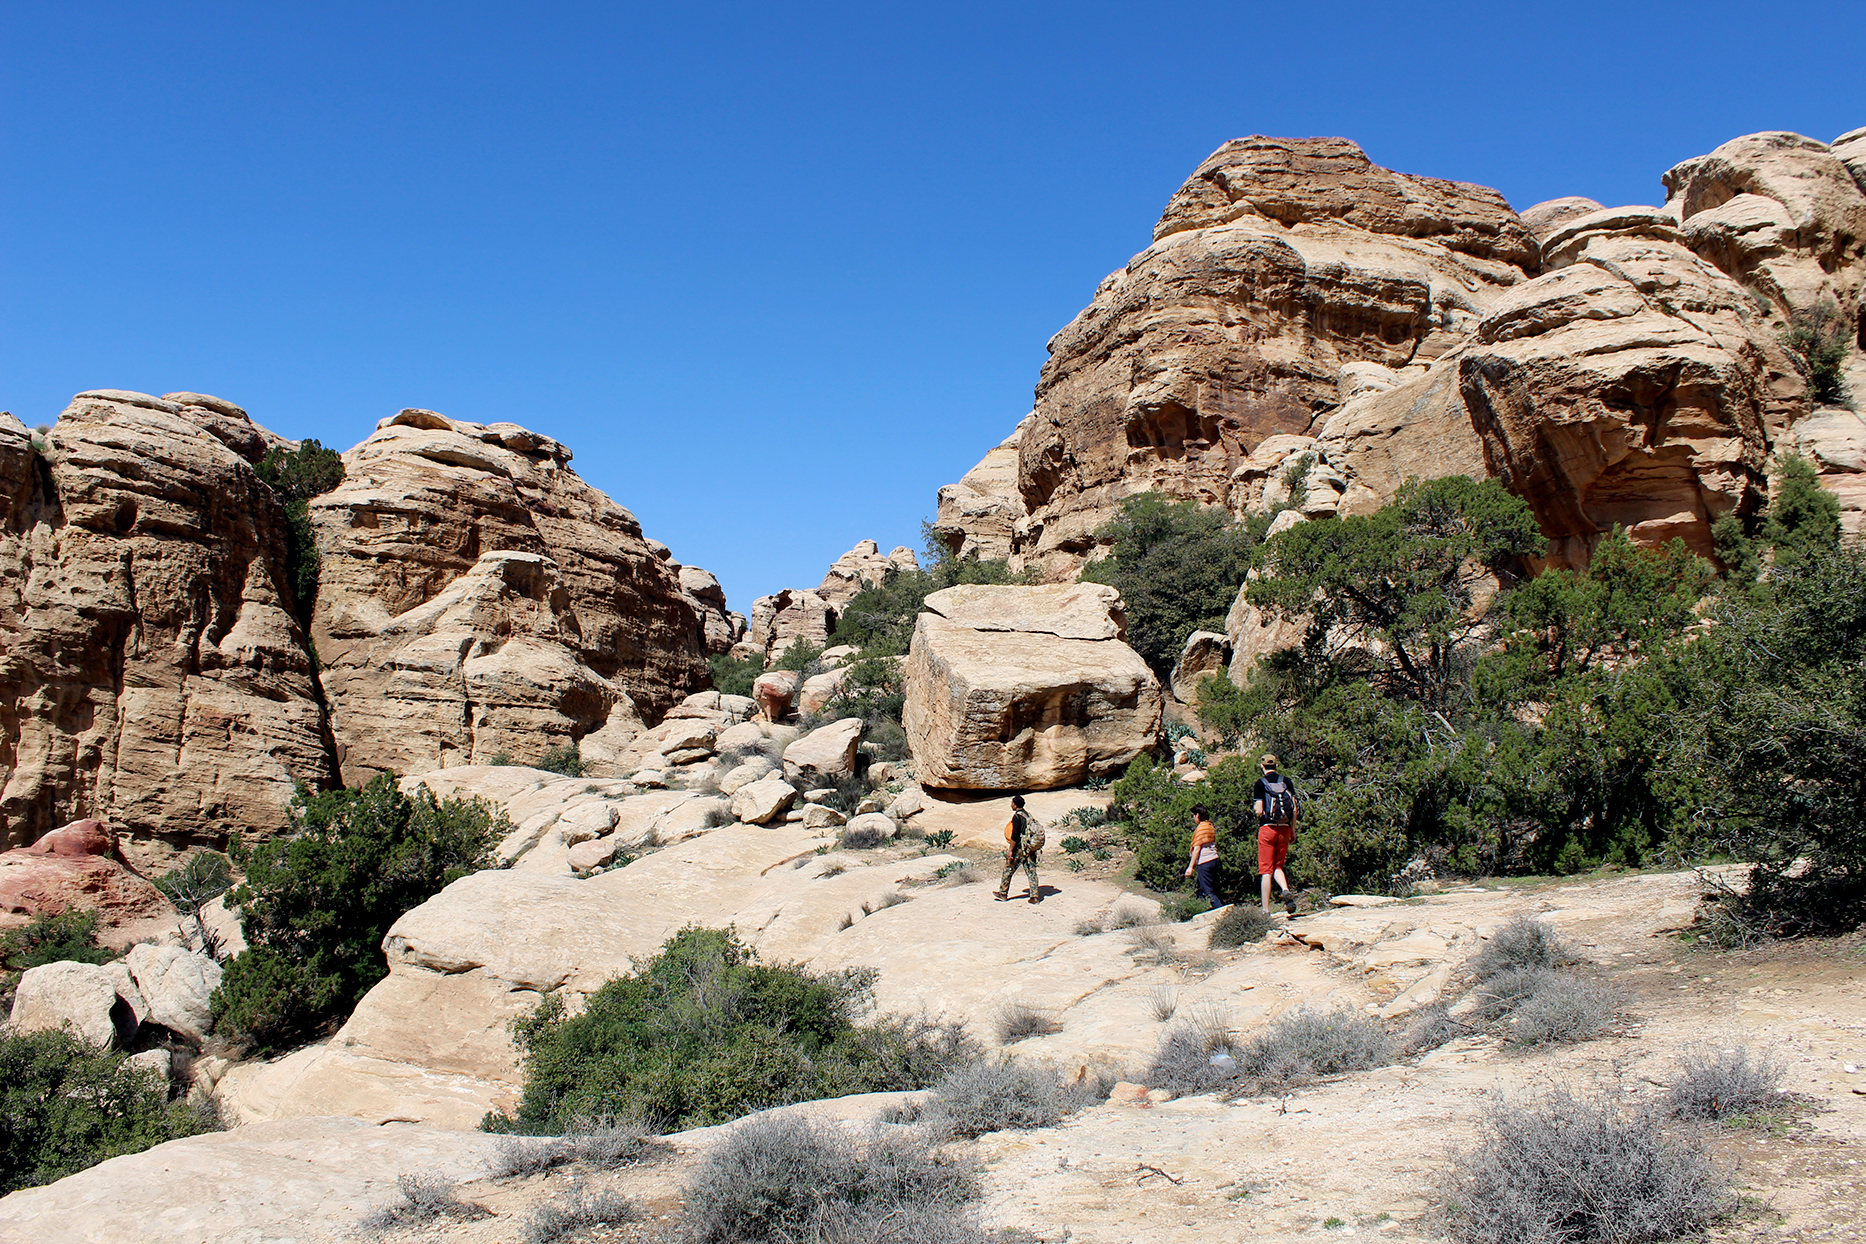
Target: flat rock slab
(295, 1180)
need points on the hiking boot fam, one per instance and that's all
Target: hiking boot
(1003, 896)
(1036, 898)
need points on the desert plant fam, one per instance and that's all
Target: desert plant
(939, 839)
(1563, 1009)
(1818, 336)
(69, 935)
(423, 1199)
(1002, 1094)
(1524, 942)
(862, 838)
(1241, 924)
(1073, 844)
(1151, 943)
(565, 759)
(785, 1179)
(1431, 1027)
(1717, 1084)
(66, 1105)
(703, 1032)
(1162, 1001)
(1177, 565)
(1564, 1168)
(200, 878)
(317, 902)
(296, 476)
(1508, 989)
(577, 1209)
(1017, 1020)
(734, 675)
(1200, 1056)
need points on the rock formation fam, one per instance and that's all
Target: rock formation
(862, 567)
(79, 867)
(1022, 688)
(152, 670)
(477, 597)
(1305, 317)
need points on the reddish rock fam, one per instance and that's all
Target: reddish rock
(76, 866)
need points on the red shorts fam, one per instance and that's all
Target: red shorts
(1273, 847)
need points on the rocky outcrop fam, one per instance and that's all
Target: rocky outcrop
(1022, 688)
(86, 998)
(152, 670)
(177, 986)
(1276, 264)
(476, 597)
(787, 617)
(77, 867)
(979, 515)
(862, 567)
(1305, 315)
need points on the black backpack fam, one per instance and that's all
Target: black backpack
(1279, 802)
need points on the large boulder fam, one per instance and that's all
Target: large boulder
(83, 997)
(77, 866)
(476, 597)
(1024, 688)
(155, 672)
(763, 801)
(826, 755)
(177, 986)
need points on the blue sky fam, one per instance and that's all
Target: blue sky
(774, 273)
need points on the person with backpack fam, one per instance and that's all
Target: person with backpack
(1023, 838)
(1204, 861)
(1274, 801)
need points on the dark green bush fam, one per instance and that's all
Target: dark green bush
(566, 760)
(1177, 565)
(734, 675)
(70, 934)
(703, 1033)
(1819, 337)
(298, 475)
(66, 1105)
(317, 902)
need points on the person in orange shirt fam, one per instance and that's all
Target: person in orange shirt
(1020, 847)
(1204, 861)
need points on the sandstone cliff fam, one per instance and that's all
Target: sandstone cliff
(1612, 365)
(151, 671)
(475, 597)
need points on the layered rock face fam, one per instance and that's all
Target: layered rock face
(862, 567)
(1025, 688)
(1305, 315)
(477, 597)
(1276, 264)
(151, 671)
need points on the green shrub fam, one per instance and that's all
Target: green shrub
(199, 879)
(1073, 844)
(566, 760)
(317, 902)
(734, 675)
(1819, 337)
(1177, 565)
(66, 1105)
(703, 1032)
(298, 475)
(71, 934)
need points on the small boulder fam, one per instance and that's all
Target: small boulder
(595, 853)
(650, 779)
(817, 816)
(763, 801)
(743, 737)
(871, 825)
(816, 693)
(745, 775)
(826, 755)
(1126, 1093)
(81, 995)
(585, 820)
(177, 986)
(774, 691)
(908, 804)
